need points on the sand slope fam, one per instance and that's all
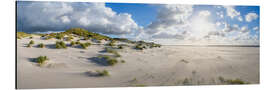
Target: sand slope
(168, 65)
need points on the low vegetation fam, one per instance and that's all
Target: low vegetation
(103, 73)
(41, 45)
(31, 43)
(110, 50)
(41, 60)
(109, 59)
(21, 35)
(85, 45)
(231, 81)
(72, 43)
(60, 44)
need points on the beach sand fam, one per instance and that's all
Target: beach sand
(165, 66)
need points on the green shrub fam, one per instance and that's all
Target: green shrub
(31, 37)
(103, 73)
(112, 43)
(109, 60)
(69, 38)
(31, 42)
(41, 45)
(29, 45)
(85, 45)
(60, 44)
(123, 61)
(236, 81)
(41, 59)
(22, 35)
(78, 42)
(72, 43)
(140, 47)
(59, 36)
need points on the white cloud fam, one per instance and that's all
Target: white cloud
(204, 13)
(240, 19)
(256, 28)
(231, 12)
(244, 29)
(251, 16)
(96, 17)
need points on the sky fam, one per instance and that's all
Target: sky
(167, 24)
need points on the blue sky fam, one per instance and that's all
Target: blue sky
(165, 24)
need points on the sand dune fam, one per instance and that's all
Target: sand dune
(168, 65)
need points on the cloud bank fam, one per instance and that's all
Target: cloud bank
(174, 24)
(55, 16)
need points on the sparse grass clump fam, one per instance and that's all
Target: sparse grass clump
(41, 45)
(110, 50)
(69, 38)
(110, 60)
(41, 60)
(31, 43)
(112, 43)
(85, 45)
(59, 36)
(140, 47)
(72, 43)
(231, 81)
(123, 61)
(103, 73)
(21, 35)
(30, 37)
(60, 44)
(236, 81)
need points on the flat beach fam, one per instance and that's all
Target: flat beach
(167, 65)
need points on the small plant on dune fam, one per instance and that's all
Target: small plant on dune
(139, 47)
(72, 43)
(236, 81)
(85, 45)
(41, 60)
(60, 44)
(110, 50)
(69, 38)
(123, 61)
(140, 85)
(31, 42)
(112, 43)
(78, 42)
(103, 73)
(110, 60)
(120, 47)
(31, 37)
(59, 36)
(41, 45)
(231, 81)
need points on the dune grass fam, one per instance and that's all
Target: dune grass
(231, 81)
(109, 59)
(41, 60)
(110, 50)
(85, 45)
(41, 45)
(103, 73)
(21, 35)
(72, 43)
(60, 44)
(30, 43)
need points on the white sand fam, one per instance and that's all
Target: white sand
(168, 65)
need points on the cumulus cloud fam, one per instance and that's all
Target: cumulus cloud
(169, 17)
(256, 28)
(251, 16)
(56, 16)
(231, 12)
